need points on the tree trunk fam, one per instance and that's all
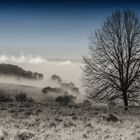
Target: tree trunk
(125, 100)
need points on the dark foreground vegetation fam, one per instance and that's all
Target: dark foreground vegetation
(18, 72)
(21, 97)
(24, 119)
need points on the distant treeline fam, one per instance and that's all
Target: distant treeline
(14, 70)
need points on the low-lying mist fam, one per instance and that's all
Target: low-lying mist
(68, 70)
(69, 76)
(59, 87)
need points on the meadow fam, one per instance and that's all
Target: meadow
(45, 119)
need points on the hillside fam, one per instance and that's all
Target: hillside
(18, 72)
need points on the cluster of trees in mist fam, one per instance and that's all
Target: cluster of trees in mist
(62, 88)
(14, 70)
(112, 69)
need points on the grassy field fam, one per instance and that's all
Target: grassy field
(47, 120)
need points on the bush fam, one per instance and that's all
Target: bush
(46, 90)
(4, 97)
(65, 99)
(22, 97)
(56, 78)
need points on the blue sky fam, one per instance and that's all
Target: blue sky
(55, 29)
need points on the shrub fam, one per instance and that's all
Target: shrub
(56, 78)
(22, 97)
(4, 97)
(51, 89)
(65, 99)
(46, 90)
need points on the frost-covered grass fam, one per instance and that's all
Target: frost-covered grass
(36, 121)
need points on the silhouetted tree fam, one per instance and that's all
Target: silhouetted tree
(112, 69)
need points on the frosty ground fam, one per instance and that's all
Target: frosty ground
(45, 119)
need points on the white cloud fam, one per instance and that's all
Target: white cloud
(6, 58)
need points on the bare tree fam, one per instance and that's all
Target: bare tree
(112, 69)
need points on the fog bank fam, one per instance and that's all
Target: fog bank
(69, 72)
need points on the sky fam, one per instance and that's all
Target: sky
(55, 29)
